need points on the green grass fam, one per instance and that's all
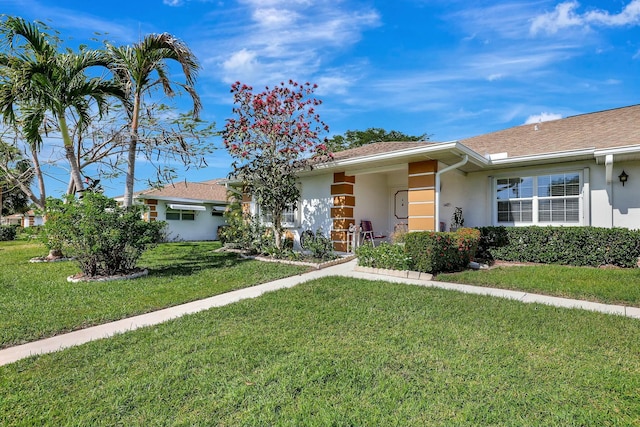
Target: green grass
(36, 300)
(610, 286)
(340, 351)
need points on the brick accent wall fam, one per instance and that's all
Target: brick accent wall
(342, 211)
(152, 213)
(422, 195)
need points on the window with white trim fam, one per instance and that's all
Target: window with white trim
(180, 215)
(289, 217)
(539, 199)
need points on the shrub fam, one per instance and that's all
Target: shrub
(247, 234)
(103, 238)
(467, 240)
(435, 252)
(7, 232)
(32, 232)
(385, 255)
(318, 245)
(579, 246)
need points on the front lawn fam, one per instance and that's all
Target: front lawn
(36, 300)
(341, 351)
(610, 286)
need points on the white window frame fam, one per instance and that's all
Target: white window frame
(180, 212)
(290, 217)
(536, 198)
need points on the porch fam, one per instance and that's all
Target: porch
(396, 199)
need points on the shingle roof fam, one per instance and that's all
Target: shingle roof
(376, 148)
(207, 190)
(604, 129)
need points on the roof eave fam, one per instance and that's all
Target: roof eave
(628, 152)
(570, 155)
(179, 199)
(431, 150)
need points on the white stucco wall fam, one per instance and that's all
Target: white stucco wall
(605, 205)
(600, 205)
(626, 199)
(372, 201)
(315, 206)
(204, 227)
(467, 192)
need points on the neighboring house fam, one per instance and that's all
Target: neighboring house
(581, 170)
(192, 210)
(28, 219)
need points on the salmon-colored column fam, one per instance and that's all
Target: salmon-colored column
(422, 195)
(342, 211)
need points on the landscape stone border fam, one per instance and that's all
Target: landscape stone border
(134, 275)
(44, 259)
(317, 266)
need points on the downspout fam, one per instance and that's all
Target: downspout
(462, 162)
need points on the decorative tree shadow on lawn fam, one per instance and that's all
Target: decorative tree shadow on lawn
(184, 259)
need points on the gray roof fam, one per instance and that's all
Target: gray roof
(202, 191)
(615, 128)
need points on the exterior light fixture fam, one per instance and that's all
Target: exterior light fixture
(623, 177)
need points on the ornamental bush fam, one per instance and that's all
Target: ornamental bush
(436, 252)
(579, 246)
(7, 232)
(102, 237)
(319, 245)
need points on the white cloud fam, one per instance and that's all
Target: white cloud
(630, 15)
(505, 20)
(274, 18)
(332, 85)
(241, 65)
(172, 2)
(272, 40)
(542, 117)
(565, 16)
(562, 17)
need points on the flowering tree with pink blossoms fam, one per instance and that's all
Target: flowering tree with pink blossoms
(274, 135)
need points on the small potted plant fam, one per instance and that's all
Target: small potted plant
(457, 220)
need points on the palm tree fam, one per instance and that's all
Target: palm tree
(142, 67)
(38, 80)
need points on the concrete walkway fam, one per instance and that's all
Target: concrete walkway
(82, 336)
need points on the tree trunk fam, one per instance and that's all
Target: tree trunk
(70, 153)
(131, 155)
(131, 170)
(277, 229)
(41, 202)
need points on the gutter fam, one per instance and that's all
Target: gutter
(462, 162)
(540, 158)
(430, 149)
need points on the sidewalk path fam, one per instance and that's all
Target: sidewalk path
(82, 336)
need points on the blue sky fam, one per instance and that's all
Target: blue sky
(451, 69)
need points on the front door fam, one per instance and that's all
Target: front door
(399, 209)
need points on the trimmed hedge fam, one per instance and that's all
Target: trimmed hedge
(578, 246)
(435, 252)
(385, 255)
(8, 232)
